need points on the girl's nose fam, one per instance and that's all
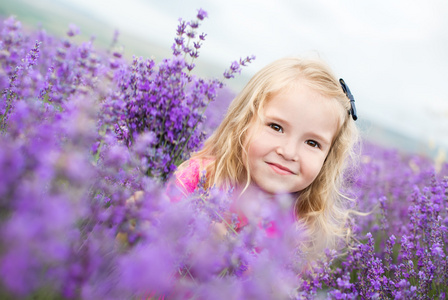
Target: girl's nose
(289, 150)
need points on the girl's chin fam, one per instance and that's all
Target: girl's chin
(270, 191)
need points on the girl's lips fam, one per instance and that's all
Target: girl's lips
(279, 169)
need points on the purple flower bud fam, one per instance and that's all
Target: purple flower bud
(181, 28)
(194, 24)
(73, 30)
(202, 14)
(191, 34)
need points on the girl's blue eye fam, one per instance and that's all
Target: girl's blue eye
(276, 127)
(313, 144)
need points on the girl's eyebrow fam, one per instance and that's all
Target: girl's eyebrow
(277, 119)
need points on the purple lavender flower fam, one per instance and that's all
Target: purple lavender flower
(235, 67)
(167, 100)
(83, 128)
(73, 30)
(202, 14)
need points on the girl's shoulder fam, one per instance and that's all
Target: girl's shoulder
(189, 174)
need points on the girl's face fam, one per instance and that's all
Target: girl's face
(286, 152)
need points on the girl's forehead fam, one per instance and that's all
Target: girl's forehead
(285, 85)
(288, 85)
(302, 86)
(302, 93)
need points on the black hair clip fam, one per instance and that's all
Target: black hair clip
(346, 90)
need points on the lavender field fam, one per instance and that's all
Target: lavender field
(88, 143)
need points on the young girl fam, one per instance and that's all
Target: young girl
(291, 131)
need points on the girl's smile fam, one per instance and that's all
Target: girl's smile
(288, 146)
(280, 169)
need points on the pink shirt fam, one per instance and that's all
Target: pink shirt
(188, 178)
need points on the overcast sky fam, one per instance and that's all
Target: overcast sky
(392, 54)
